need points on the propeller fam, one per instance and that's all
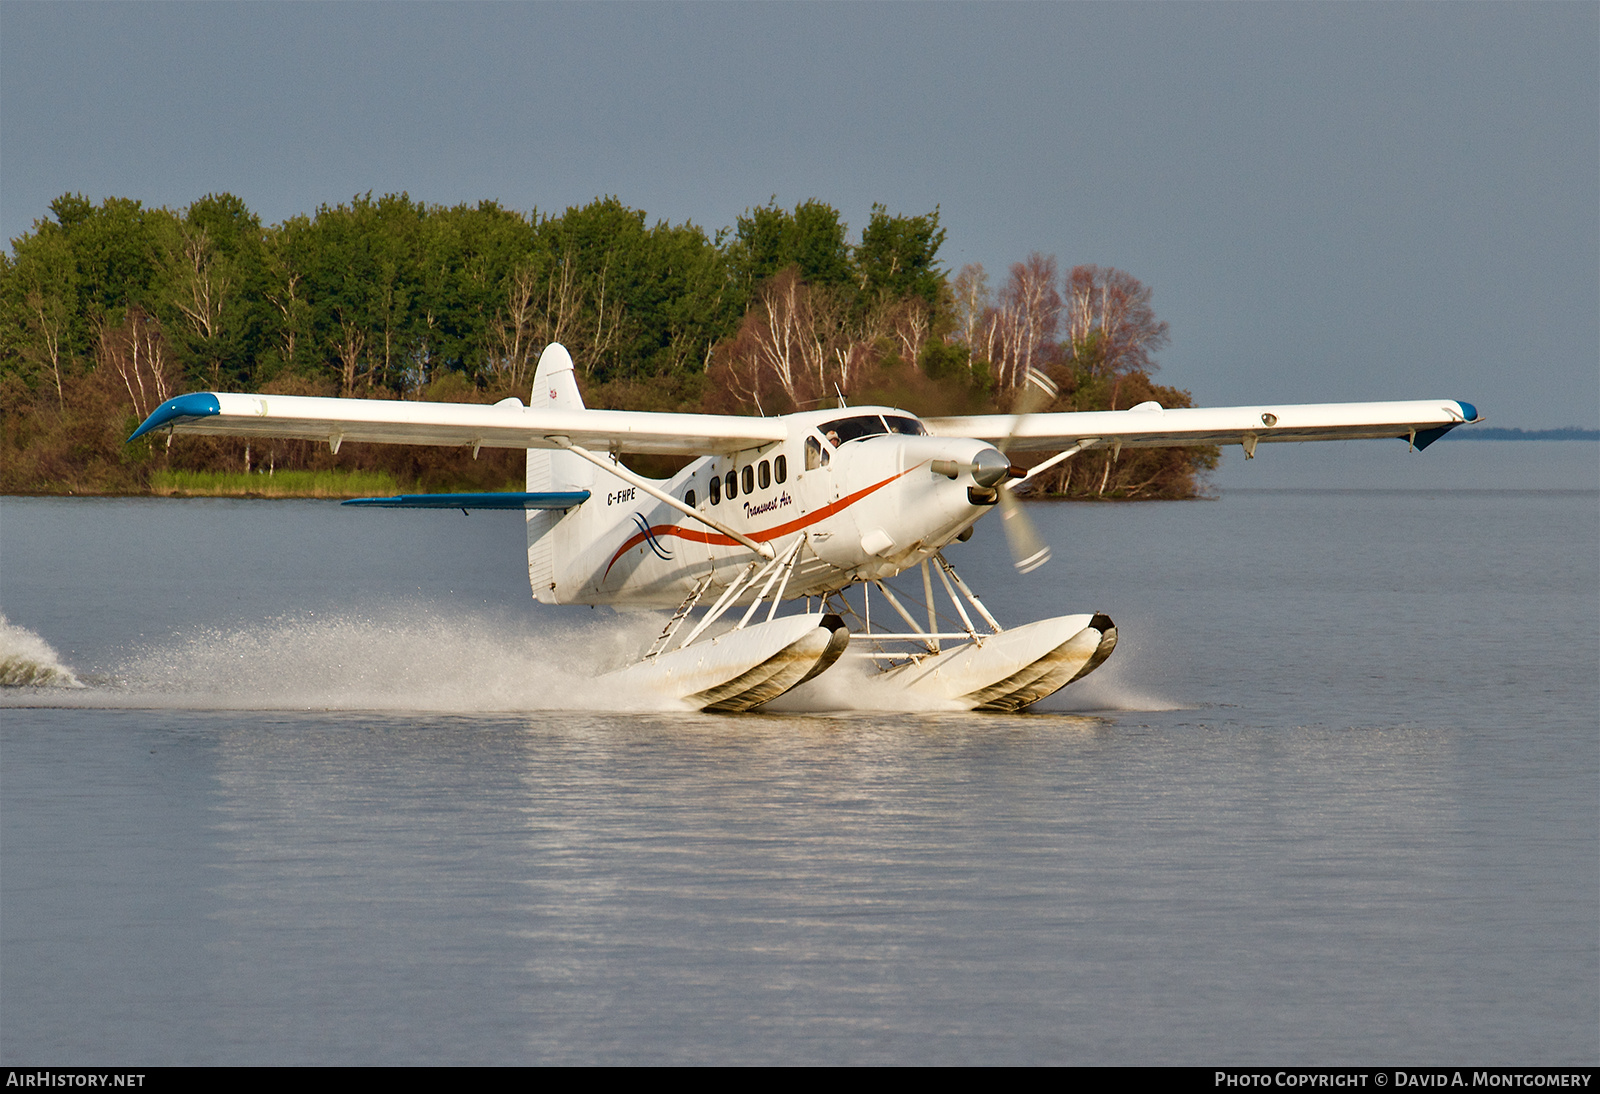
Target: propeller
(1028, 549)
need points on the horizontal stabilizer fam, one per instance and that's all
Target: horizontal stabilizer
(561, 499)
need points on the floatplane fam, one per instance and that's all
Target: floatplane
(788, 509)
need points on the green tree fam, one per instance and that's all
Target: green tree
(41, 336)
(898, 256)
(115, 245)
(288, 340)
(70, 279)
(768, 240)
(360, 277)
(237, 245)
(470, 258)
(648, 301)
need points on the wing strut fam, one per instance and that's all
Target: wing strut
(1053, 460)
(762, 549)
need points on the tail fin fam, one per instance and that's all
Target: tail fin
(554, 386)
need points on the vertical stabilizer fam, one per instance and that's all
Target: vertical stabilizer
(554, 386)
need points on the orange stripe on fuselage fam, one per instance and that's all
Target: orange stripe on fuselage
(717, 539)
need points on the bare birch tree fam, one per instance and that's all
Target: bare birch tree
(137, 353)
(970, 292)
(910, 320)
(608, 317)
(350, 345)
(48, 318)
(798, 341)
(1026, 320)
(200, 287)
(513, 338)
(782, 341)
(1112, 331)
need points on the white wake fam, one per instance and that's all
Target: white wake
(27, 661)
(439, 662)
(396, 660)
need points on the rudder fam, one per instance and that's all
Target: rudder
(554, 386)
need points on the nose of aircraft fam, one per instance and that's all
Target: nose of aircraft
(989, 467)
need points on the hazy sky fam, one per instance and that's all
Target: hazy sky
(1345, 201)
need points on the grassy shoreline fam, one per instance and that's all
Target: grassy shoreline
(280, 484)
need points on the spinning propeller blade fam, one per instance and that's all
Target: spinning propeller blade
(1028, 549)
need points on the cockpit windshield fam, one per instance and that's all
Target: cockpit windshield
(841, 430)
(854, 428)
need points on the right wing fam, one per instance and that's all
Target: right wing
(1150, 426)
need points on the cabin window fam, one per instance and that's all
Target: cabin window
(688, 499)
(780, 468)
(906, 426)
(716, 490)
(841, 430)
(764, 474)
(730, 484)
(749, 483)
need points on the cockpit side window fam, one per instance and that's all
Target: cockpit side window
(841, 430)
(816, 455)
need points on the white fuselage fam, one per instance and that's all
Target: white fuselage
(869, 491)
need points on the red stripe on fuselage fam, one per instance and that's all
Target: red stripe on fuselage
(717, 539)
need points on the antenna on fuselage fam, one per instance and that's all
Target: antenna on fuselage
(842, 403)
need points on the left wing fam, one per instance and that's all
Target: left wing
(506, 424)
(1149, 426)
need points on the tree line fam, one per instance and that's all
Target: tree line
(108, 309)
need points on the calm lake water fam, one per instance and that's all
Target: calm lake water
(336, 791)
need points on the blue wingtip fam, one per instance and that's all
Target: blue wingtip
(1424, 437)
(201, 404)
